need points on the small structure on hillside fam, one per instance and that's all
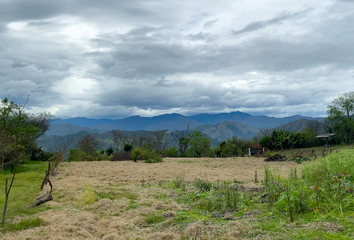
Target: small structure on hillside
(326, 136)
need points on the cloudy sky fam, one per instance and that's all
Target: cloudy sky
(117, 58)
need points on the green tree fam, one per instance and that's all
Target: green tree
(341, 115)
(199, 145)
(18, 132)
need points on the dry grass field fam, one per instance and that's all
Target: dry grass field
(128, 200)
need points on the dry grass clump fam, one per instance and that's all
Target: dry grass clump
(113, 236)
(240, 226)
(329, 227)
(168, 214)
(166, 235)
(195, 230)
(106, 207)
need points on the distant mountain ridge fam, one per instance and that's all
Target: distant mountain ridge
(228, 129)
(176, 121)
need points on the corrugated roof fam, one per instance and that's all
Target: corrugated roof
(327, 135)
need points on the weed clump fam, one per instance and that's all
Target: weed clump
(203, 186)
(179, 182)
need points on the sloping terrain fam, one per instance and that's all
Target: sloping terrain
(295, 126)
(227, 129)
(66, 129)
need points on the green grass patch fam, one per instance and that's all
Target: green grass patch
(89, 196)
(24, 224)
(25, 189)
(153, 218)
(132, 205)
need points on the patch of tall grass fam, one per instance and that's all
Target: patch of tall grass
(326, 185)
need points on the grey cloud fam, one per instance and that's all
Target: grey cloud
(145, 95)
(39, 23)
(200, 37)
(210, 23)
(3, 28)
(24, 10)
(133, 71)
(263, 24)
(105, 12)
(144, 57)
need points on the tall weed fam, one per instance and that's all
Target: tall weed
(326, 185)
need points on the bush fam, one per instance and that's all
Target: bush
(203, 186)
(136, 154)
(77, 155)
(38, 154)
(151, 156)
(148, 154)
(171, 152)
(109, 151)
(128, 148)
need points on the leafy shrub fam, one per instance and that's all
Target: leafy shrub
(76, 155)
(151, 156)
(128, 148)
(136, 154)
(109, 151)
(38, 154)
(79, 156)
(171, 152)
(203, 186)
(148, 154)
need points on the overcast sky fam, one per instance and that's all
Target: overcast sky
(117, 58)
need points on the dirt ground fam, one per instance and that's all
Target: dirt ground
(73, 216)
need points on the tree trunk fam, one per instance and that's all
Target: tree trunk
(7, 193)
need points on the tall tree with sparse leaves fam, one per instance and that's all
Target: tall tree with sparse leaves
(341, 115)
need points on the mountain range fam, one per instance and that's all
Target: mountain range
(217, 127)
(176, 121)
